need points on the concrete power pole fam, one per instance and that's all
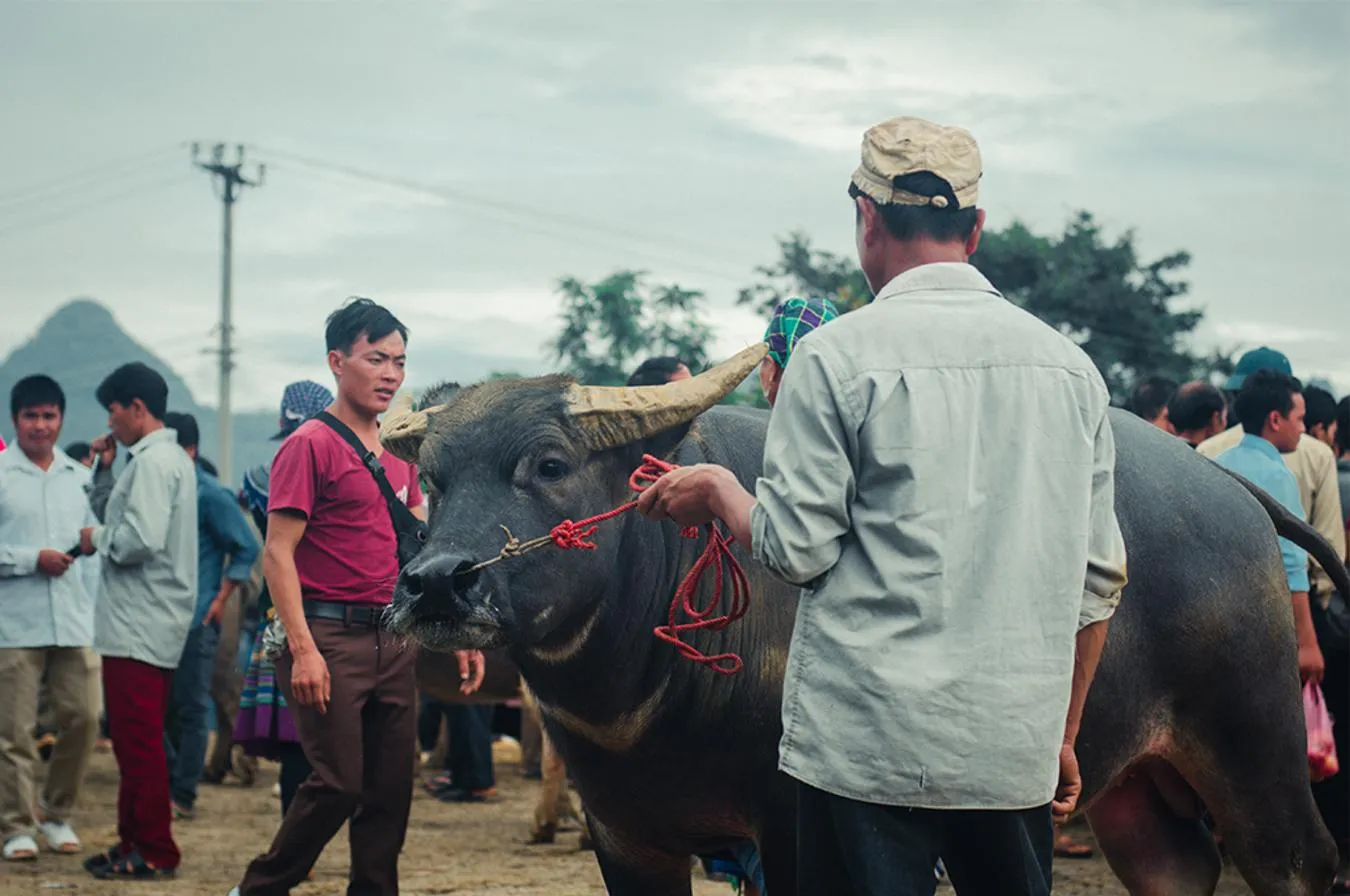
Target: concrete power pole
(232, 180)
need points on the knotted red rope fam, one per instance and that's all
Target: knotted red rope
(728, 574)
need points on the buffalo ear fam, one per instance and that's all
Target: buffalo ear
(664, 443)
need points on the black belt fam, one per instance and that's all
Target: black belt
(341, 611)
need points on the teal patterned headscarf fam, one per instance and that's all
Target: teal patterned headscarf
(794, 319)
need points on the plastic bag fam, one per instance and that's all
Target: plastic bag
(1322, 760)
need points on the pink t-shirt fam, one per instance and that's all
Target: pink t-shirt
(348, 551)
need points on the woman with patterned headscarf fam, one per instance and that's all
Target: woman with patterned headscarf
(791, 321)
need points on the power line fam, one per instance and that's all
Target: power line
(533, 220)
(138, 187)
(232, 181)
(74, 180)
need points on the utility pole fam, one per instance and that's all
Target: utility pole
(233, 181)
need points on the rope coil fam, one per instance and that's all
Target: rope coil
(717, 556)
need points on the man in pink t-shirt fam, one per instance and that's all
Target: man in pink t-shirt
(331, 563)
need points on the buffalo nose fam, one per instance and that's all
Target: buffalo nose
(430, 576)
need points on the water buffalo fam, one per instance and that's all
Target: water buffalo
(1196, 703)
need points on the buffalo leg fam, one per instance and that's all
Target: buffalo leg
(633, 870)
(1151, 846)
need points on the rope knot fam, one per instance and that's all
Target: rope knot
(569, 535)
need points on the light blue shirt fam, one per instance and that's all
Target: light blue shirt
(148, 540)
(44, 510)
(1259, 461)
(938, 472)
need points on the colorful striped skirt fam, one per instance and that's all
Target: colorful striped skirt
(264, 722)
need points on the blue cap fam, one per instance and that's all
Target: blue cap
(300, 401)
(1262, 358)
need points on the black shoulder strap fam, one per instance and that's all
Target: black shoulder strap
(368, 460)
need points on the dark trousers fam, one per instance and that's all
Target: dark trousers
(1333, 794)
(138, 696)
(850, 848)
(188, 728)
(469, 760)
(295, 771)
(361, 750)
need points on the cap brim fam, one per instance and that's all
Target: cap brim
(1234, 382)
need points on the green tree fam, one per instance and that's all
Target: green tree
(1122, 311)
(609, 327)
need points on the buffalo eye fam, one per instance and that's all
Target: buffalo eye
(551, 469)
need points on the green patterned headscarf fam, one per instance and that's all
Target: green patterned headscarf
(794, 319)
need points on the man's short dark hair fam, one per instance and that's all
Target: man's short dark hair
(36, 391)
(78, 450)
(1343, 425)
(185, 425)
(357, 318)
(1151, 396)
(1261, 393)
(655, 371)
(1194, 405)
(907, 222)
(132, 381)
(205, 464)
(1321, 406)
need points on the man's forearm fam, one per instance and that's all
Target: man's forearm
(1303, 621)
(732, 505)
(283, 583)
(1087, 652)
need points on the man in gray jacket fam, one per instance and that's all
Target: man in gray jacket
(148, 592)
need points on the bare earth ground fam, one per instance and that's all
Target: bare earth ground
(463, 849)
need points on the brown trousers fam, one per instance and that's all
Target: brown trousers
(74, 695)
(362, 750)
(555, 797)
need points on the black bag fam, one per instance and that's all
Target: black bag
(409, 531)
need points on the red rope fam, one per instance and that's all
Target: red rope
(570, 535)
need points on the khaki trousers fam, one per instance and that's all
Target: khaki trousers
(75, 695)
(555, 797)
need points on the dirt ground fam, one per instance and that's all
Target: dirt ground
(463, 849)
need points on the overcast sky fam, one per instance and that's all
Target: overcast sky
(678, 138)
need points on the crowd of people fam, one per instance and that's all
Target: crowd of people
(175, 605)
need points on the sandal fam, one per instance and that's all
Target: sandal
(21, 848)
(103, 859)
(1068, 848)
(132, 867)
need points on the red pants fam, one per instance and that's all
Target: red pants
(137, 697)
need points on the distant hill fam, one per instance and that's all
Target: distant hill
(81, 344)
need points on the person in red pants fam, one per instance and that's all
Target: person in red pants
(147, 596)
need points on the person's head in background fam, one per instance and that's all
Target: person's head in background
(659, 371)
(185, 428)
(82, 452)
(1270, 406)
(1150, 399)
(300, 401)
(1342, 446)
(37, 408)
(1263, 358)
(1197, 411)
(1320, 419)
(136, 399)
(791, 321)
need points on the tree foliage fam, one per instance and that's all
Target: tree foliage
(1098, 292)
(611, 326)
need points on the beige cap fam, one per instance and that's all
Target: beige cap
(904, 146)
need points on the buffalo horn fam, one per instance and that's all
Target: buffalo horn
(612, 416)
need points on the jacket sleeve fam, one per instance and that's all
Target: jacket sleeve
(226, 524)
(804, 498)
(1106, 574)
(143, 528)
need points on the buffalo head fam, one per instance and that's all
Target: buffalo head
(515, 458)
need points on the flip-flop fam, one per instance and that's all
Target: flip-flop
(1068, 848)
(132, 867)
